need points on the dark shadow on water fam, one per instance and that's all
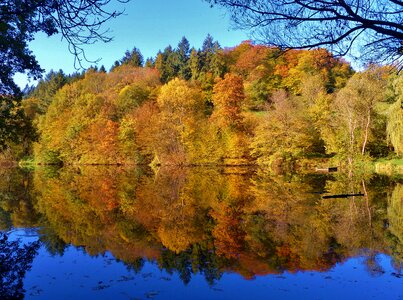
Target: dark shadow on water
(15, 260)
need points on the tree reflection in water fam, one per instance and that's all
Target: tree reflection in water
(15, 261)
(210, 221)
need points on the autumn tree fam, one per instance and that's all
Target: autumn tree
(37, 101)
(93, 120)
(255, 63)
(228, 97)
(137, 132)
(333, 71)
(15, 127)
(394, 127)
(181, 105)
(132, 96)
(228, 120)
(78, 22)
(285, 132)
(266, 69)
(356, 110)
(248, 57)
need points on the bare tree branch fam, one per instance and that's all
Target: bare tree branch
(79, 22)
(341, 25)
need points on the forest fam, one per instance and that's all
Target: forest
(245, 105)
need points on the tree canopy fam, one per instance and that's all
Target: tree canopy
(250, 104)
(374, 25)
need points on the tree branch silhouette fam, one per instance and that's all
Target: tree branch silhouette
(374, 26)
(79, 22)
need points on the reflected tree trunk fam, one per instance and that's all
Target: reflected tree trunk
(367, 203)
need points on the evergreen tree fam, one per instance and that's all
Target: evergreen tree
(194, 64)
(166, 64)
(209, 47)
(183, 55)
(115, 65)
(183, 49)
(43, 94)
(133, 58)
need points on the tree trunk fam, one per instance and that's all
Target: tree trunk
(367, 204)
(352, 141)
(366, 132)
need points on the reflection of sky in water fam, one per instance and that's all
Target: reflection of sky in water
(225, 224)
(76, 275)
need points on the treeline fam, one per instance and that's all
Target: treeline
(242, 105)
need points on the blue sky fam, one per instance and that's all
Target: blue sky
(149, 25)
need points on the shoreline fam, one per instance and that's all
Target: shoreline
(383, 166)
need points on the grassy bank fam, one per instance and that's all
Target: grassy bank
(389, 166)
(384, 166)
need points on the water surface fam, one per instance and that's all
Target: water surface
(198, 233)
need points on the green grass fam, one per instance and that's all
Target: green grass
(389, 166)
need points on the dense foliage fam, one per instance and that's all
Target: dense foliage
(240, 105)
(79, 22)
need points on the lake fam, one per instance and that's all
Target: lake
(198, 233)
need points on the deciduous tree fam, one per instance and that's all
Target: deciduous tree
(285, 131)
(228, 97)
(355, 105)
